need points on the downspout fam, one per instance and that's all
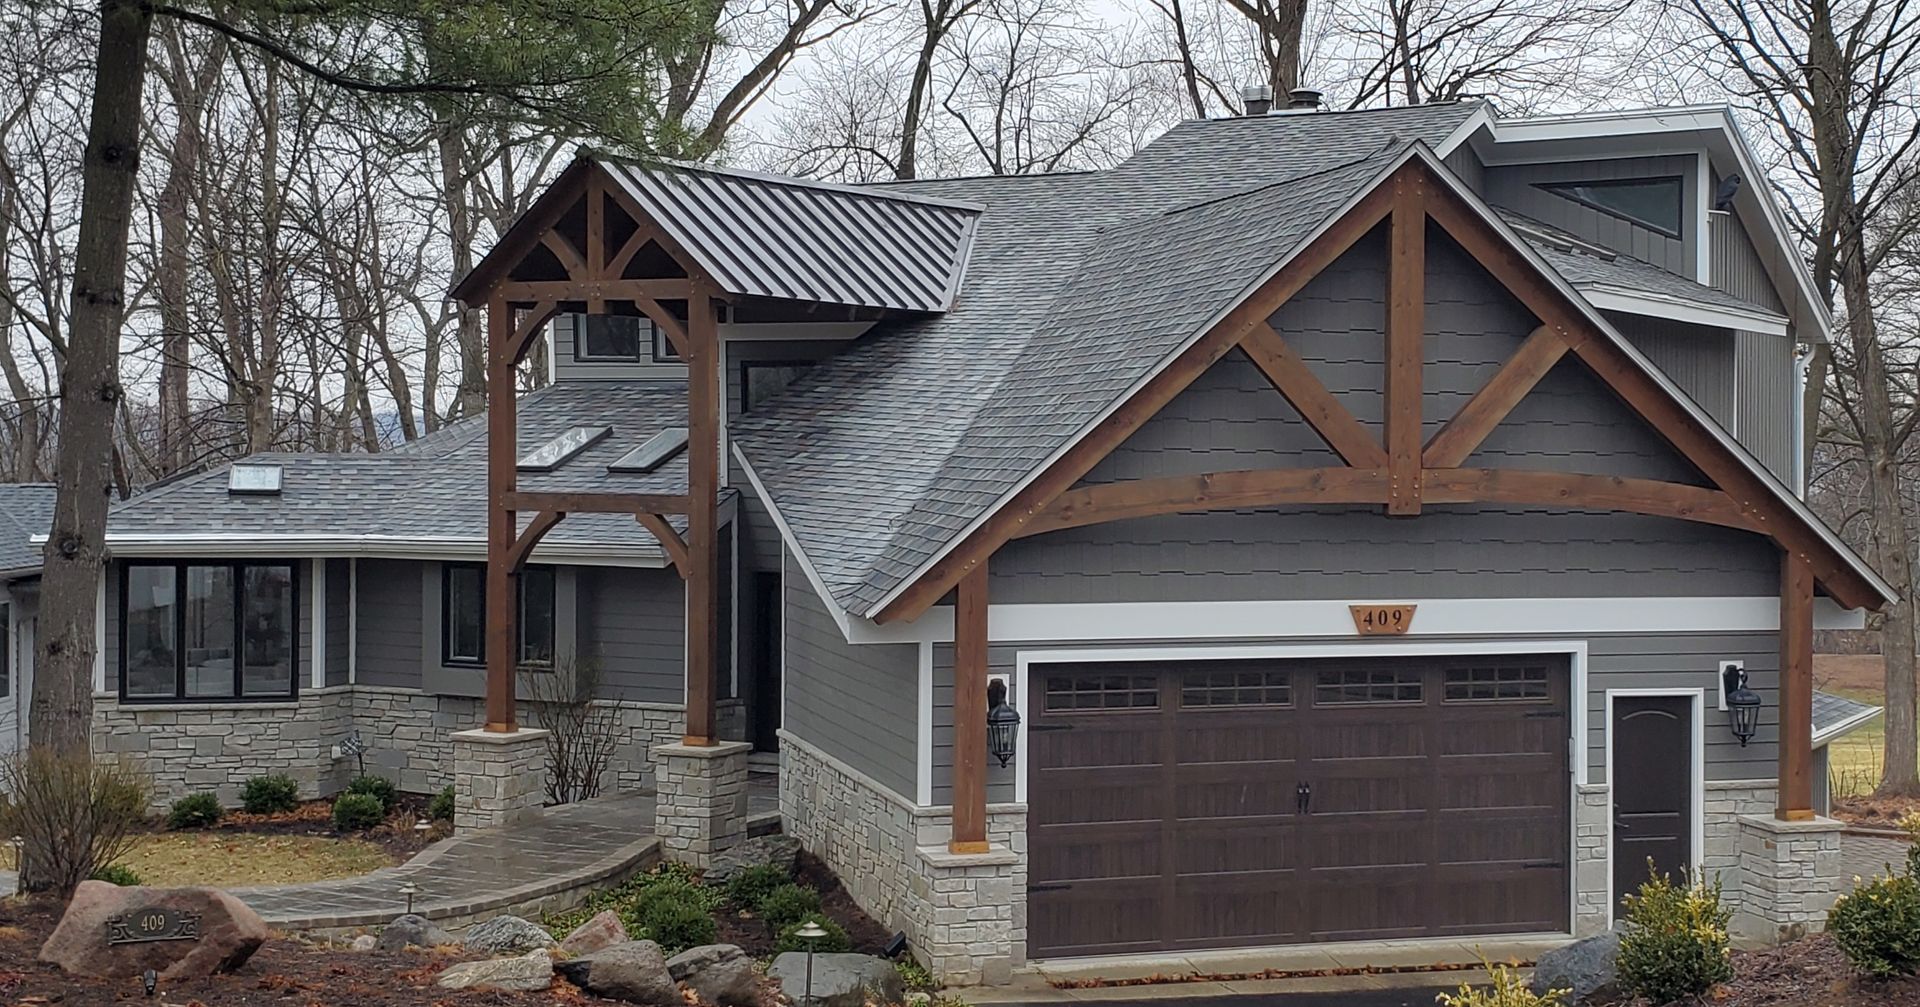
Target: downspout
(1798, 467)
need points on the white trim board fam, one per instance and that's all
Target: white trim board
(1697, 775)
(317, 622)
(1643, 302)
(1433, 617)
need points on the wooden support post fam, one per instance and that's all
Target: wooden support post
(1796, 688)
(970, 713)
(1406, 327)
(502, 457)
(703, 478)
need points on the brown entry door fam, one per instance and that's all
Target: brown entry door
(1652, 738)
(1207, 804)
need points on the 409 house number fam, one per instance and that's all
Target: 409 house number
(1381, 620)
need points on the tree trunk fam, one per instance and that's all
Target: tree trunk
(62, 711)
(470, 397)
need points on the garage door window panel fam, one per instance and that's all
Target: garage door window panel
(1369, 686)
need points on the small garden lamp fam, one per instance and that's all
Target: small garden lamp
(1743, 704)
(422, 827)
(409, 889)
(1003, 723)
(811, 932)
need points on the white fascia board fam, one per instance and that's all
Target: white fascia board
(1656, 305)
(840, 616)
(242, 545)
(1845, 727)
(1482, 118)
(1333, 619)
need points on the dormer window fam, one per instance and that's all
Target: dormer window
(1653, 203)
(622, 339)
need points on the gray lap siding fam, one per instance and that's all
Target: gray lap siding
(857, 703)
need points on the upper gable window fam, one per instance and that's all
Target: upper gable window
(626, 339)
(1650, 202)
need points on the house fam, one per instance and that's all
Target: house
(26, 510)
(1367, 516)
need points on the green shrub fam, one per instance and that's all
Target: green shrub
(915, 977)
(668, 883)
(1877, 925)
(1674, 945)
(751, 887)
(194, 811)
(440, 809)
(270, 795)
(378, 787)
(118, 874)
(1509, 989)
(357, 812)
(835, 940)
(677, 925)
(787, 905)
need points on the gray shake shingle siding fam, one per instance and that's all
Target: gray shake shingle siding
(857, 703)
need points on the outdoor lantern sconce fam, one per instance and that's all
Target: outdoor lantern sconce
(1003, 723)
(1743, 704)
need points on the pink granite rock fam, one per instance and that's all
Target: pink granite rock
(603, 931)
(106, 929)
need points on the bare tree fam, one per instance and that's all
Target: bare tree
(1414, 51)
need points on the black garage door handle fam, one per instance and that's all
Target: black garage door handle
(1048, 888)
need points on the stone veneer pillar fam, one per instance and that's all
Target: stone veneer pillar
(700, 807)
(964, 914)
(498, 777)
(1789, 876)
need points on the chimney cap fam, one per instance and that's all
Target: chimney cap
(1303, 97)
(1257, 98)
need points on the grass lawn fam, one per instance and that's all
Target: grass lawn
(1853, 762)
(233, 859)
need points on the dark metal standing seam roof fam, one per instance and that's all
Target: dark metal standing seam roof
(779, 237)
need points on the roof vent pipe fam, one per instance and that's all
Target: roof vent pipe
(1258, 99)
(1303, 98)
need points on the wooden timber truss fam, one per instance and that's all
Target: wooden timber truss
(587, 246)
(1398, 471)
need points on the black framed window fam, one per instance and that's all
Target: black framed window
(761, 380)
(611, 338)
(208, 631)
(1653, 203)
(463, 615)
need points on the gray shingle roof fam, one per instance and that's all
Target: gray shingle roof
(26, 510)
(1624, 272)
(1834, 716)
(431, 492)
(809, 241)
(1078, 286)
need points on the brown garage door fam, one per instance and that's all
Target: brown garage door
(1235, 803)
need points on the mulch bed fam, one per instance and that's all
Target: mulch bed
(747, 931)
(396, 835)
(1808, 973)
(1875, 812)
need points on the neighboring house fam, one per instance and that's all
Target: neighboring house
(26, 509)
(1355, 574)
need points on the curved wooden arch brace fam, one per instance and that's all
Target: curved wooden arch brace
(524, 542)
(1245, 489)
(670, 540)
(529, 327)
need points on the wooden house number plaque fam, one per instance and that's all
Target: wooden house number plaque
(1381, 620)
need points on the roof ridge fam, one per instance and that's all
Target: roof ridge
(791, 181)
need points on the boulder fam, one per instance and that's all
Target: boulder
(505, 935)
(411, 930)
(225, 934)
(719, 974)
(840, 979)
(1586, 967)
(364, 943)
(635, 972)
(528, 973)
(603, 931)
(779, 850)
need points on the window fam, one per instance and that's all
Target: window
(1353, 686)
(1241, 685)
(610, 338)
(463, 615)
(1493, 684)
(208, 631)
(1650, 202)
(1102, 692)
(761, 380)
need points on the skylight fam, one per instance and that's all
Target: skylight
(253, 479)
(561, 449)
(653, 453)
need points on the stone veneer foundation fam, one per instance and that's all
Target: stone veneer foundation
(217, 747)
(1789, 876)
(964, 915)
(1725, 803)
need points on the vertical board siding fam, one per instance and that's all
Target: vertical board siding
(1675, 661)
(566, 369)
(1733, 263)
(1514, 187)
(859, 704)
(339, 600)
(391, 623)
(759, 537)
(1699, 359)
(1765, 403)
(1230, 418)
(1466, 164)
(633, 627)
